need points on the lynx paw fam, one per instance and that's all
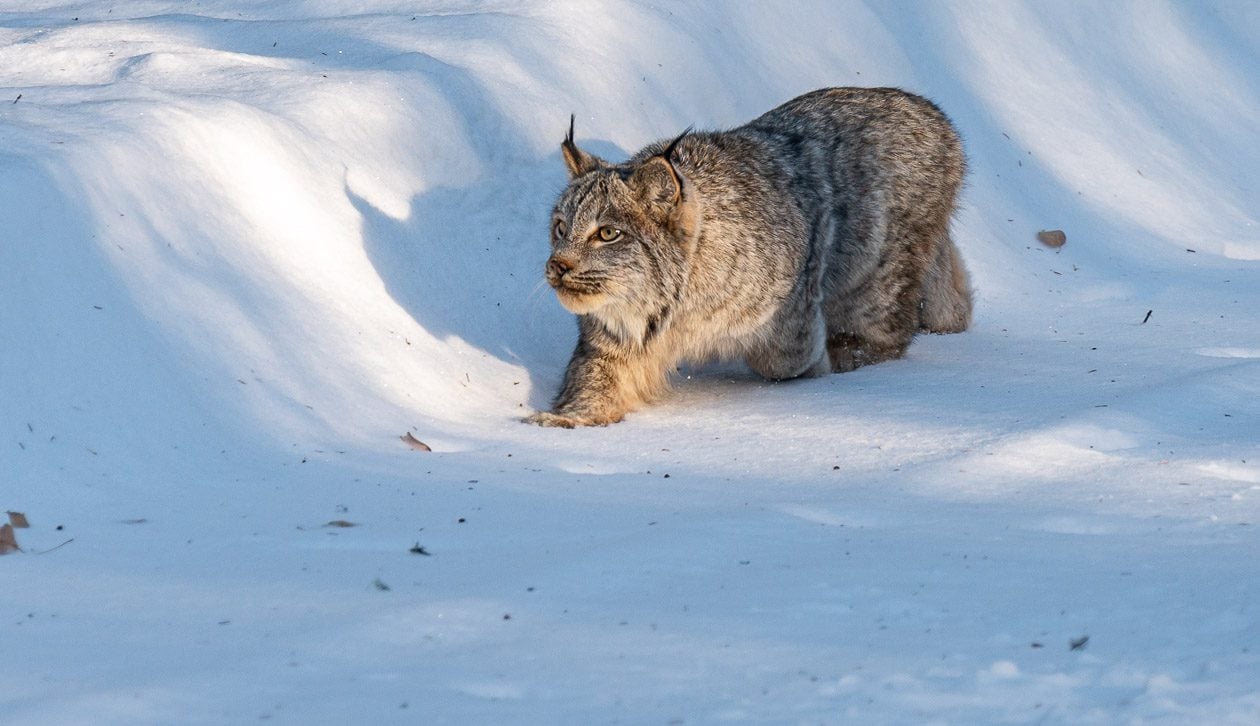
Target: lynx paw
(849, 353)
(547, 418)
(567, 421)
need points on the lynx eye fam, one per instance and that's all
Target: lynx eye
(608, 234)
(558, 229)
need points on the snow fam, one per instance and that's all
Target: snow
(246, 246)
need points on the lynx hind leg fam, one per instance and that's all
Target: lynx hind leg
(849, 351)
(876, 321)
(946, 304)
(866, 330)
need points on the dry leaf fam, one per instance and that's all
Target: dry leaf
(340, 523)
(18, 520)
(8, 542)
(414, 443)
(1052, 237)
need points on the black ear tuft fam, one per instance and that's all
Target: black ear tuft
(668, 153)
(578, 162)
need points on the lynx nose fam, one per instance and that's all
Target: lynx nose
(558, 266)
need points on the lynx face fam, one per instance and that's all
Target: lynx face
(620, 242)
(604, 249)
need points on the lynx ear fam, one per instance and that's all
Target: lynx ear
(665, 190)
(657, 180)
(578, 161)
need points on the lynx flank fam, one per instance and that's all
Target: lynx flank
(813, 239)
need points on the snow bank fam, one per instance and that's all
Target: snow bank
(246, 246)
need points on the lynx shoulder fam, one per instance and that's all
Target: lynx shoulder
(813, 239)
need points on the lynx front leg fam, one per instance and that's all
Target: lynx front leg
(600, 387)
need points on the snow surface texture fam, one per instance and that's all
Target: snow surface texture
(246, 246)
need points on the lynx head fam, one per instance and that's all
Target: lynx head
(622, 236)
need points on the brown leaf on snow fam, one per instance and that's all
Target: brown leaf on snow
(18, 520)
(1052, 237)
(414, 443)
(8, 542)
(340, 523)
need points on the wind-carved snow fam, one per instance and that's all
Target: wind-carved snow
(247, 247)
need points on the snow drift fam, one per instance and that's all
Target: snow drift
(247, 245)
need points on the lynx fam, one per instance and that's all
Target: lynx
(813, 239)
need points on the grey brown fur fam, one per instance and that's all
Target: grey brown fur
(813, 239)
